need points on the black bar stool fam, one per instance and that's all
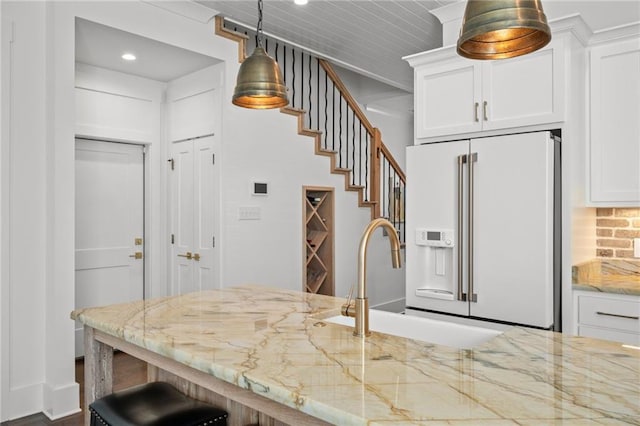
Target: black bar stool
(154, 404)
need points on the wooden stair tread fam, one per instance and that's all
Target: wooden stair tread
(292, 111)
(312, 131)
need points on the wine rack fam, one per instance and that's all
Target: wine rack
(318, 240)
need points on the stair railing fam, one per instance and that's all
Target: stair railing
(327, 111)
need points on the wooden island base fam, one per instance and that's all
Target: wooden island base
(244, 407)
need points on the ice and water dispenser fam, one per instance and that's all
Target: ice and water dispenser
(436, 253)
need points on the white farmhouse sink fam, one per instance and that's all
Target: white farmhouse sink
(424, 329)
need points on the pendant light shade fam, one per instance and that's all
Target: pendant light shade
(259, 84)
(500, 29)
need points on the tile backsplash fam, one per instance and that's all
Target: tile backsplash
(615, 231)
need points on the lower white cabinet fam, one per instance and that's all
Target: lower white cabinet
(608, 316)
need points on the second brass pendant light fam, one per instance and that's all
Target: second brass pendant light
(259, 84)
(500, 29)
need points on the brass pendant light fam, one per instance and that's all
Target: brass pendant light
(259, 84)
(500, 29)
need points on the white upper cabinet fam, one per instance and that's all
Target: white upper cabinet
(614, 151)
(455, 96)
(523, 91)
(447, 97)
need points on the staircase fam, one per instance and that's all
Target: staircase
(327, 112)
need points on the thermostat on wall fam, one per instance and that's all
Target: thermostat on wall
(259, 188)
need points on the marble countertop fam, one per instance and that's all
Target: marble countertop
(607, 276)
(275, 343)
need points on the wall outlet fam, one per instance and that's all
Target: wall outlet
(249, 213)
(636, 247)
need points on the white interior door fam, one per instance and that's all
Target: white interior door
(182, 200)
(203, 213)
(193, 195)
(109, 250)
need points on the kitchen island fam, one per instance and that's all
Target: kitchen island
(265, 350)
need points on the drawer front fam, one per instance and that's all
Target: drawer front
(616, 314)
(608, 334)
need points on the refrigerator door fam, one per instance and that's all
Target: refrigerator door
(513, 229)
(432, 246)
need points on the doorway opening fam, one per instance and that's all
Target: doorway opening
(109, 225)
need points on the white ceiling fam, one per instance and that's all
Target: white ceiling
(364, 35)
(103, 46)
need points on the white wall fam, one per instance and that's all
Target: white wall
(273, 246)
(23, 251)
(37, 291)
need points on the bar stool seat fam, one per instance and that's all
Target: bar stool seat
(154, 404)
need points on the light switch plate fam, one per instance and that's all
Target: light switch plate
(249, 213)
(636, 247)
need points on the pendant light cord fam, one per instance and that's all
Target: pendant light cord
(259, 27)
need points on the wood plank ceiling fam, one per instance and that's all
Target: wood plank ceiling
(367, 36)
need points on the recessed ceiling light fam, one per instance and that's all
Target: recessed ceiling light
(300, 2)
(128, 56)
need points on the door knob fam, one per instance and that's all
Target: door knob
(136, 255)
(187, 255)
(196, 256)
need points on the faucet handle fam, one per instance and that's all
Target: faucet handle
(345, 308)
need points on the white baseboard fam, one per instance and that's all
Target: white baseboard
(396, 306)
(24, 401)
(61, 401)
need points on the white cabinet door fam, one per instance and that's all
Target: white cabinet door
(457, 96)
(615, 124)
(109, 225)
(523, 91)
(608, 316)
(448, 98)
(513, 228)
(193, 257)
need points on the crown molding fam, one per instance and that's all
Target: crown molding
(188, 9)
(610, 34)
(574, 24)
(450, 12)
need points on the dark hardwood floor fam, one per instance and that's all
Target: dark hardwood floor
(127, 371)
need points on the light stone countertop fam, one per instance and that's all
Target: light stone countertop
(275, 343)
(607, 276)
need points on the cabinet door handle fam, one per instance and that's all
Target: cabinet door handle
(607, 314)
(484, 110)
(196, 256)
(476, 112)
(187, 255)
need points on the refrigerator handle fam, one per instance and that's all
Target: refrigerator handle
(473, 297)
(462, 159)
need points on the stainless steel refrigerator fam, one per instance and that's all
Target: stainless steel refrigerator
(483, 229)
